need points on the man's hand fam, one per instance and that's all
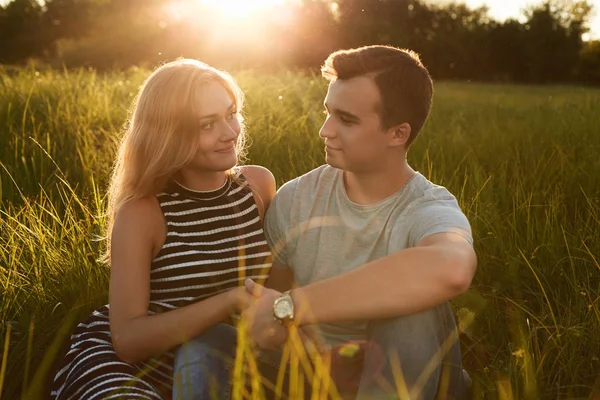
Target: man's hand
(265, 331)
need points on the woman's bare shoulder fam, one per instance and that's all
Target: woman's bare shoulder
(262, 183)
(142, 216)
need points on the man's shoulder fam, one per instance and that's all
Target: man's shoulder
(297, 196)
(308, 182)
(435, 210)
(425, 191)
(429, 200)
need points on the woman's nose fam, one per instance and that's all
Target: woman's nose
(230, 132)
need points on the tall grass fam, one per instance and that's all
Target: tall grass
(523, 162)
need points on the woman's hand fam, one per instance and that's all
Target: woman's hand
(239, 299)
(265, 331)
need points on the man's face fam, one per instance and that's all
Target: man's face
(354, 138)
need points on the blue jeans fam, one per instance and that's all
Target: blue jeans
(203, 365)
(415, 341)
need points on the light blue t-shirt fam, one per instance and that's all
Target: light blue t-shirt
(315, 229)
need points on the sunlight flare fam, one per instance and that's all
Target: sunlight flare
(241, 8)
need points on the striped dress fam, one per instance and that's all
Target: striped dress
(214, 241)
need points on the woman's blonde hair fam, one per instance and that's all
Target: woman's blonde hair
(162, 132)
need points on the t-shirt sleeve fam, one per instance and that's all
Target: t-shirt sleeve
(277, 224)
(437, 213)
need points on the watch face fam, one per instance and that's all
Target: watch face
(283, 309)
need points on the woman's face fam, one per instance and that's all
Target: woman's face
(219, 130)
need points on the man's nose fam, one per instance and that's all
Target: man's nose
(327, 129)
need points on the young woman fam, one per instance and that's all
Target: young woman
(184, 232)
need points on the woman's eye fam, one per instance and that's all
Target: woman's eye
(208, 127)
(232, 115)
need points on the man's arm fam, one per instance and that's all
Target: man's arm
(439, 268)
(281, 278)
(276, 227)
(438, 265)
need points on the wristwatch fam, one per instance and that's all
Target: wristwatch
(283, 309)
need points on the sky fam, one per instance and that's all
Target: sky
(502, 9)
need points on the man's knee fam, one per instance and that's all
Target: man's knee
(421, 348)
(418, 337)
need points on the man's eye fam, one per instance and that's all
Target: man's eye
(346, 121)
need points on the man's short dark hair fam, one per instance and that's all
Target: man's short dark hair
(404, 84)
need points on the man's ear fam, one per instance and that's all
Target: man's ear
(399, 134)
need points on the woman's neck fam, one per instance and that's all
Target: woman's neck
(202, 181)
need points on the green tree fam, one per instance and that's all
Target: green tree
(21, 33)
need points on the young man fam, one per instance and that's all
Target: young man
(374, 250)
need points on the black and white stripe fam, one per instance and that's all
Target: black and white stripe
(214, 241)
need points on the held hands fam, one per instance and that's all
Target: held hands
(239, 299)
(265, 331)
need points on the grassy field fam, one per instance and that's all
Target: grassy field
(523, 161)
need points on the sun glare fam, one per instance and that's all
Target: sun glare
(226, 22)
(241, 8)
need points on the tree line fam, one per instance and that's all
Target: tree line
(455, 41)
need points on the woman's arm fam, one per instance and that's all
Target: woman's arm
(137, 236)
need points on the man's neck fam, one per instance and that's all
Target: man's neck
(372, 187)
